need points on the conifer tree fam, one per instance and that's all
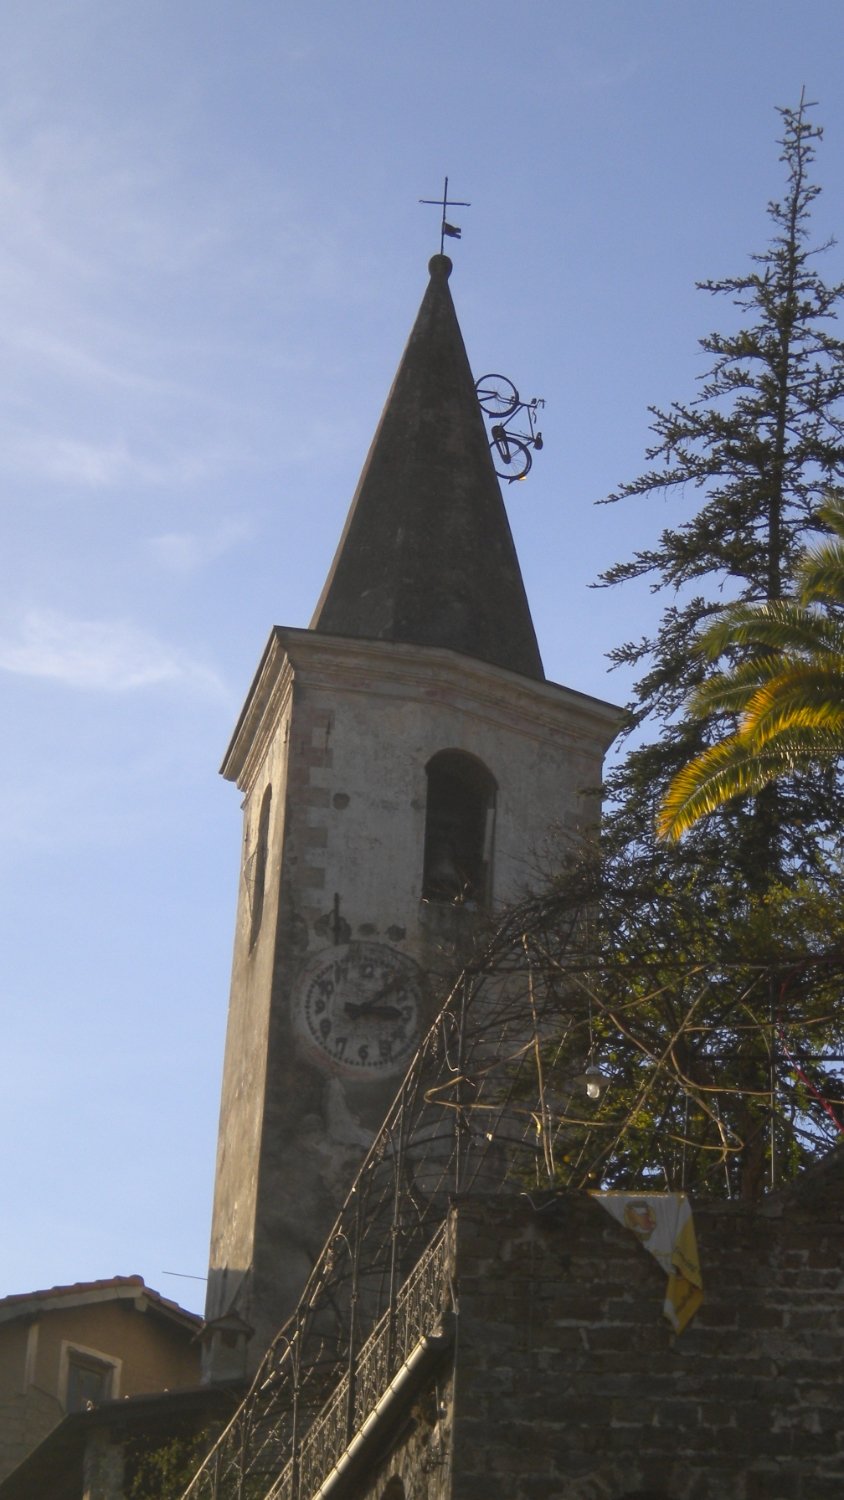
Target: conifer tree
(763, 443)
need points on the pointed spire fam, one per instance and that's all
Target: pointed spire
(426, 556)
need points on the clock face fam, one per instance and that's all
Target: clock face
(360, 1006)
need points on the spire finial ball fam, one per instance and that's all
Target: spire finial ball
(440, 265)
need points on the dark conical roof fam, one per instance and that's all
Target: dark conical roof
(426, 556)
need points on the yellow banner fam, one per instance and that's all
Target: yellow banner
(663, 1223)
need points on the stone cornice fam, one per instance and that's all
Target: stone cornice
(538, 710)
(265, 705)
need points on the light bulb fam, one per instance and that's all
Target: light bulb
(595, 1081)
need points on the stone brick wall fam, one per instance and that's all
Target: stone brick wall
(415, 1464)
(567, 1383)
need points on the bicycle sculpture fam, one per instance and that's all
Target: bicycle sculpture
(511, 455)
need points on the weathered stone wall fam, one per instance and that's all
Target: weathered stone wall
(341, 731)
(569, 1383)
(416, 1464)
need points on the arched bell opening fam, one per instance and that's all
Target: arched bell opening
(459, 829)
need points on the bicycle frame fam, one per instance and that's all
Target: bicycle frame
(498, 397)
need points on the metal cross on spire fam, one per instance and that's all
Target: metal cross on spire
(445, 202)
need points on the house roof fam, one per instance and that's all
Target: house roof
(85, 1293)
(54, 1470)
(426, 556)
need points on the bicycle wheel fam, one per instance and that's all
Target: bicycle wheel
(517, 463)
(497, 395)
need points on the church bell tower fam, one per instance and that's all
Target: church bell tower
(404, 765)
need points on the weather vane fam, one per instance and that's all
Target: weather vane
(445, 202)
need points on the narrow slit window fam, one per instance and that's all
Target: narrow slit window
(260, 870)
(459, 826)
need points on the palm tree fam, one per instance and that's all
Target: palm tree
(787, 691)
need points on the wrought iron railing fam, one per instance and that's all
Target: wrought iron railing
(464, 1120)
(259, 1454)
(418, 1313)
(503, 1096)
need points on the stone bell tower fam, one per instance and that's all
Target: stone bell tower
(402, 762)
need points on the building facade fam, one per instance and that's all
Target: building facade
(70, 1348)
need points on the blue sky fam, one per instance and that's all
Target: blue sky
(211, 254)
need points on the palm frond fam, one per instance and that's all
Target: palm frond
(731, 692)
(780, 625)
(807, 693)
(732, 768)
(820, 574)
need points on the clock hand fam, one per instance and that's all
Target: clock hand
(392, 984)
(370, 1008)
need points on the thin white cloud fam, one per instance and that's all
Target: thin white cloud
(111, 656)
(77, 361)
(71, 460)
(99, 237)
(100, 465)
(186, 552)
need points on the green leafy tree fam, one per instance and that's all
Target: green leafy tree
(164, 1472)
(763, 442)
(720, 1028)
(787, 689)
(709, 1026)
